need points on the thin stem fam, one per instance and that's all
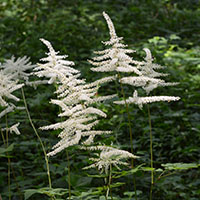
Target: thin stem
(169, 174)
(44, 151)
(17, 185)
(151, 151)
(129, 120)
(130, 132)
(4, 142)
(9, 164)
(3, 138)
(109, 183)
(69, 178)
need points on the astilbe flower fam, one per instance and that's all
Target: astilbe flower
(75, 97)
(113, 59)
(21, 70)
(56, 62)
(140, 101)
(116, 57)
(13, 128)
(109, 156)
(148, 81)
(7, 87)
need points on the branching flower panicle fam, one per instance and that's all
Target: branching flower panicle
(148, 81)
(140, 101)
(75, 99)
(109, 156)
(56, 62)
(116, 57)
(7, 87)
(19, 68)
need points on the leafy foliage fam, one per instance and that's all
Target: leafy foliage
(171, 30)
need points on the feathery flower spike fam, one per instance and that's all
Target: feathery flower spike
(145, 100)
(116, 57)
(74, 97)
(109, 156)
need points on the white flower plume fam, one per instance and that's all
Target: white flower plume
(19, 68)
(7, 87)
(116, 57)
(109, 156)
(56, 62)
(148, 79)
(145, 100)
(13, 128)
(75, 97)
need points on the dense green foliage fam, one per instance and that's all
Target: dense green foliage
(171, 29)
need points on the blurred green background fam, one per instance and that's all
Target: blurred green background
(170, 29)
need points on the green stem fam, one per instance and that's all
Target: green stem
(43, 148)
(9, 163)
(151, 152)
(17, 185)
(109, 183)
(129, 120)
(169, 174)
(130, 132)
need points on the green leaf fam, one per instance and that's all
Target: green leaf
(180, 166)
(148, 169)
(117, 184)
(126, 173)
(47, 191)
(3, 151)
(102, 198)
(29, 193)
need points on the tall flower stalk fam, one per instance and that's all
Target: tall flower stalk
(13, 71)
(148, 80)
(38, 136)
(116, 59)
(75, 98)
(7, 86)
(108, 157)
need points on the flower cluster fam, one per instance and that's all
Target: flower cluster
(75, 97)
(109, 156)
(145, 100)
(13, 128)
(7, 87)
(12, 71)
(148, 81)
(19, 68)
(116, 59)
